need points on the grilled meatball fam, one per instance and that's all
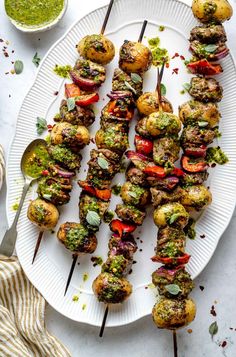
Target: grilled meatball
(141, 128)
(172, 313)
(178, 276)
(211, 52)
(205, 89)
(173, 248)
(196, 197)
(113, 138)
(195, 136)
(77, 238)
(166, 150)
(44, 214)
(208, 33)
(97, 48)
(134, 194)
(120, 78)
(194, 179)
(65, 157)
(135, 57)
(171, 214)
(76, 137)
(101, 167)
(117, 265)
(136, 176)
(55, 189)
(148, 103)
(78, 116)
(167, 183)
(126, 247)
(130, 213)
(161, 123)
(160, 197)
(110, 289)
(90, 203)
(193, 112)
(91, 72)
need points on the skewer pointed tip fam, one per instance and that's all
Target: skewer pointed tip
(75, 257)
(175, 344)
(40, 236)
(104, 321)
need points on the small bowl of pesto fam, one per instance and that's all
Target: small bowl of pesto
(35, 15)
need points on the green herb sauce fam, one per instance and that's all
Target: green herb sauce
(34, 13)
(62, 71)
(36, 161)
(158, 54)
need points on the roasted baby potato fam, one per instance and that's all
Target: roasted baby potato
(161, 123)
(44, 214)
(135, 57)
(196, 197)
(148, 103)
(212, 10)
(173, 214)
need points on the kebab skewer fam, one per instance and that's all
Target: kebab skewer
(70, 134)
(111, 140)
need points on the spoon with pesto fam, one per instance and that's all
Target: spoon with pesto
(34, 161)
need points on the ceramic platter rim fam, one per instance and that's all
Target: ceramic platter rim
(215, 219)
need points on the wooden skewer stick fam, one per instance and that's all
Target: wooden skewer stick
(175, 344)
(103, 325)
(104, 321)
(107, 17)
(40, 236)
(75, 257)
(158, 87)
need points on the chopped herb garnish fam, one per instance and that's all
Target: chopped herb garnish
(36, 59)
(71, 104)
(62, 71)
(161, 28)
(213, 329)
(85, 277)
(75, 298)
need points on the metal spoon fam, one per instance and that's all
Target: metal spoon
(9, 240)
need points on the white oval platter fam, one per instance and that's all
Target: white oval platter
(50, 270)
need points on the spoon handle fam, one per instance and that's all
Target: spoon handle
(9, 240)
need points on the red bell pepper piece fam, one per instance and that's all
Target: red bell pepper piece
(172, 260)
(114, 109)
(196, 152)
(121, 227)
(72, 90)
(85, 100)
(204, 67)
(177, 172)
(143, 146)
(156, 171)
(103, 195)
(198, 166)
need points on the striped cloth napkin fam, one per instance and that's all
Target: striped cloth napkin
(22, 325)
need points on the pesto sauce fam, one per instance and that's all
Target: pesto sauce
(34, 13)
(62, 71)
(158, 54)
(75, 237)
(36, 161)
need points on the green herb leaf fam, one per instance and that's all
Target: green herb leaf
(213, 329)
(174, 217)
(210, 48)
(41, 125)
(203, 124)
(132, 194)
(173, 289)
(136, 78)
(71, 104)
(130, 87)
(103, 163)
(47, 196)
(18, 67)
(161, 28)
(186, 86)
(163, 89)
(93, 218)
(36, 59)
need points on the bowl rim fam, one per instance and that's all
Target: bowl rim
(45, 27)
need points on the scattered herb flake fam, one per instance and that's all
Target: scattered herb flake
(18, 67)
(96, 261)
(62, 71)
(36, 59)
(85, 277)
(213, 329)
(15, 206)
(186, 86)
(75, 298)
(83, 306)
(41, 125)
(161, 28)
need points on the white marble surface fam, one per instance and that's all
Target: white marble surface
(141, 338)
